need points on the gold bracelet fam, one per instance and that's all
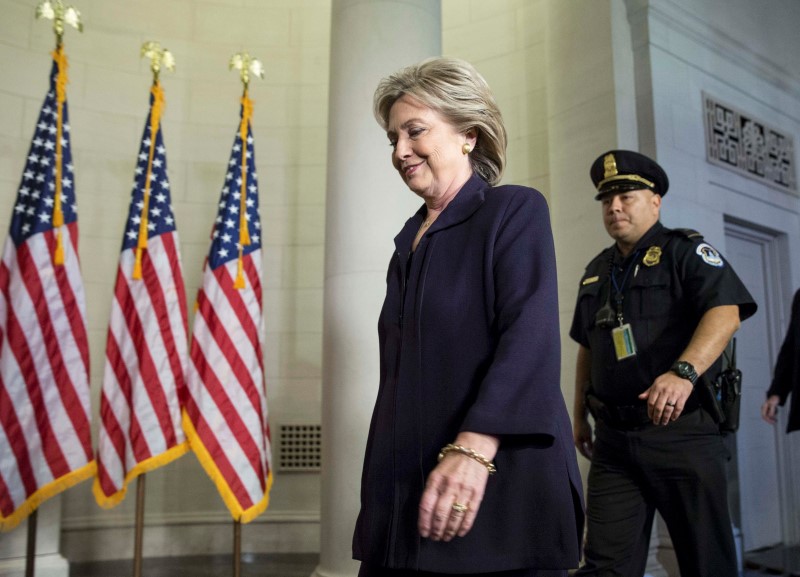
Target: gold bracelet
(472, 454)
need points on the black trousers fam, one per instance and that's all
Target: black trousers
(368, 570)
(678, 470)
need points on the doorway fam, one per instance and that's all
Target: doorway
(760, 476)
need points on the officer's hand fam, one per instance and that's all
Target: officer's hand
(582, 433)
(769, 410)
(666, 398)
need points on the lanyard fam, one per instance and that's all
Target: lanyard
(619, 287)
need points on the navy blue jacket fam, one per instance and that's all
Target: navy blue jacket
(469, 341)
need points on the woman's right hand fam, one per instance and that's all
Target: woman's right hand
(582, 434)
(454, 490)
(769, 410)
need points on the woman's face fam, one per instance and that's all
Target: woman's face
(427, 150)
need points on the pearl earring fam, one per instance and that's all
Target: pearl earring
(466, 149)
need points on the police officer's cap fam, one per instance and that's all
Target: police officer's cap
(621, 170)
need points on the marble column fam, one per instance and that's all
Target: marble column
(583, 93)
(366, 205)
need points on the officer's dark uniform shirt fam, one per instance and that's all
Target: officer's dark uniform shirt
(665, 294)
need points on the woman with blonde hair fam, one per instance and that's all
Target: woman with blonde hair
(469, 467)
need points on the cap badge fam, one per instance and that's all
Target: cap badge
(653, 256)
(609, 165)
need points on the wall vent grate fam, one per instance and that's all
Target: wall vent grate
(300, 448)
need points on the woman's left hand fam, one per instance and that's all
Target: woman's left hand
(769, 410)
(455, 488)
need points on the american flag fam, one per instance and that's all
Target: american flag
(45, 429)
(146, 350)
(226, 409)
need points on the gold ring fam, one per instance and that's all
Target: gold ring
(459, 508)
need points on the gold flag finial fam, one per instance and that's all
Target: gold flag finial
(60, 14)
(159, 58)
(246, 65)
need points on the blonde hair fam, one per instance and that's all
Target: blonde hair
(455, 90)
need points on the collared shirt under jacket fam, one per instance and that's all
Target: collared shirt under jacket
(469, 341)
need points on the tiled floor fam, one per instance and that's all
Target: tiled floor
(784, 561)
(776, 561)
(273, 565)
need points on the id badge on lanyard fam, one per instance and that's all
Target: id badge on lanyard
(624, 345)
(622, 335)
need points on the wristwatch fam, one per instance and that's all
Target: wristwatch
(684, 370)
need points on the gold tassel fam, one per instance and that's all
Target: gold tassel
(137, 265)
(239, 284)
(247, 113)
(155, 122)
(244, 232)
(61, 97)
(58, 257)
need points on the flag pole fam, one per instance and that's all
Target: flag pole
(237, 548)
(139, 530)
(159, 57)
(30, 556)
(59, 14)
(246, 65)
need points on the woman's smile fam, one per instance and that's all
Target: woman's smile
(427, 151)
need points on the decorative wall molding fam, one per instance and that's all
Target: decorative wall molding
(183, 535)
(748, 146)
(157, 519)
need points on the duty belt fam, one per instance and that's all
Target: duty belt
(618, 416)
(626, 417)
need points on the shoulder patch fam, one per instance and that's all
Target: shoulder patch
(709, 254)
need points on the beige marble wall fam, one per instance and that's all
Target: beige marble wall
(505, 40)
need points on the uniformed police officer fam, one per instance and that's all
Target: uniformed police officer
(654, 313)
